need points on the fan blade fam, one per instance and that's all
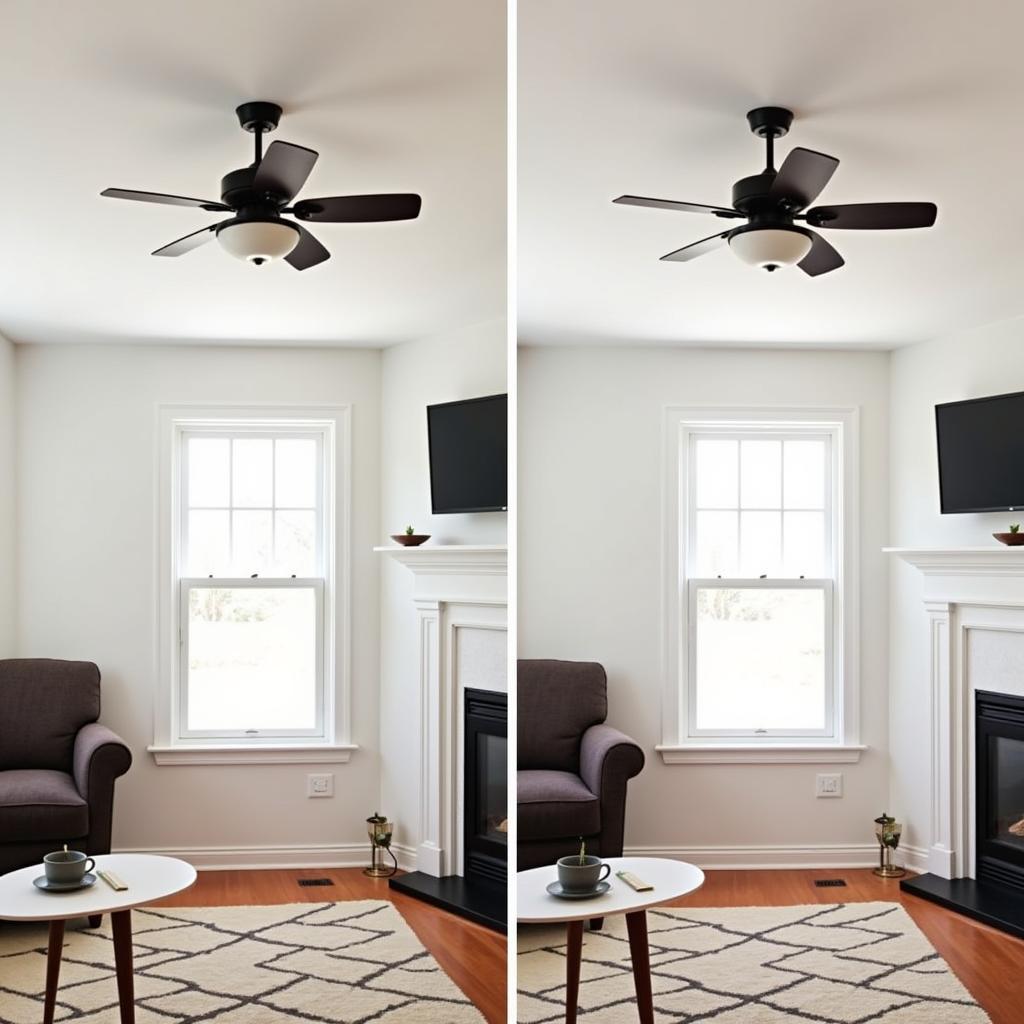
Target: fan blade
(308, 253)
(695, 249)
(874, 216)
(671, 204)
(183, 245)
(159, 197)
(360, 209)
(284, 169)
(821, 259)
(803, 174)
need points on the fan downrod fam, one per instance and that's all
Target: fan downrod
(258, 116)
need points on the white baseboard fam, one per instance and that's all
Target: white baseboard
(240, 858)
(913, 858)
(838, 855)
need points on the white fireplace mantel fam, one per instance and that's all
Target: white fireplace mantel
(974, 606)
(461, 596)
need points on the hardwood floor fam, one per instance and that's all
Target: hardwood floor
(990, 963)
(473, 957)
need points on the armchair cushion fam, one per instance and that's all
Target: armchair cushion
(45, 702)
(608, 757)
(558, 702)
(100, 756)
(553, 805)
(41, 804)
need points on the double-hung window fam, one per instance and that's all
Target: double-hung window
(253, 601)
(759, 597)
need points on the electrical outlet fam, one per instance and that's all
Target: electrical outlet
(320, 785)
(828, 785)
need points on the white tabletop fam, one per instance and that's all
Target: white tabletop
(148, 879)
(670, 878)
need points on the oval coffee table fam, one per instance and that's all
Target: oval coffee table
(148, 879)
(670, 878)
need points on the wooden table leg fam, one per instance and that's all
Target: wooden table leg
(573, 960)
(121, 925)
(53, 954)
(639, 951)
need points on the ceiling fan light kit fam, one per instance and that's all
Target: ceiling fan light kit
(772, 201)
(258, 196)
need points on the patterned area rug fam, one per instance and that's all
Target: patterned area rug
(327, 963)
(849, 963)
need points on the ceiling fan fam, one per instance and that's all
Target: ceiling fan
(771, 202)
(256, 196)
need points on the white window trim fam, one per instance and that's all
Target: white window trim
(333, 744)
(844, 746)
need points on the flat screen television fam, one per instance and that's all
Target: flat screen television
(981, 454)
(468, 443)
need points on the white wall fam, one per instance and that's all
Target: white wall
(8, 562)
(87, 549)
(464, 364)
(970, 364)
(590, 478)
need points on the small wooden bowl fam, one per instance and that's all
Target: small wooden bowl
(1013, 540)
(410, 540)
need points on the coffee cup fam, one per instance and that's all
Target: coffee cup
(582, 874)
(66, 867)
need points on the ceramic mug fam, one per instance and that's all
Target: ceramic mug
(67, 866)
(582, 876)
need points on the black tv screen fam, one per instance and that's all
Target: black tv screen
(469, 455)
(981, 454)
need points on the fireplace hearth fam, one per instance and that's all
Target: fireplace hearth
(479, 893)
(996, 894)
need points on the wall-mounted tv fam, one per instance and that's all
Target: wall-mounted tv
(468, 443)
(981, 454)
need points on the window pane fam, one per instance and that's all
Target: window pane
(804, 544)
(251, 548)
(761, 474)
(209, 544)
(251, 660)
(716, 544)
(760, 659)
(208, 472)
(295, 473)
(717, 473)
(805, 474)
(760, 543)
(295, 546)
(252, 477)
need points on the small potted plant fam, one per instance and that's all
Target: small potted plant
(410, 539)
(1014, 538)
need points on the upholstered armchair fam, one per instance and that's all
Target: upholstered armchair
(573, 769)
(57, 763)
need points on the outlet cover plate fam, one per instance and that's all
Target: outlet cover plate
(828, 785)
(320, 785)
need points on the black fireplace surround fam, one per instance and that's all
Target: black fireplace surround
(479, 894)
(996, 894)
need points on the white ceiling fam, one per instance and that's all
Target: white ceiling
(396, 96)
(920, 100)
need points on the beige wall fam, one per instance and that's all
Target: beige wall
(8, 560)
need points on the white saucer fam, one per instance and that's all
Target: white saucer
(42, 882)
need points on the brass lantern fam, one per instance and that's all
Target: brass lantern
(887, 832)
(380, 830)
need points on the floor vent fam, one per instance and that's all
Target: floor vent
(315, 881)
(830, 883)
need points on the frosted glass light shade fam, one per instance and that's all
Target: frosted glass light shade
(770, 247)
(258, 241)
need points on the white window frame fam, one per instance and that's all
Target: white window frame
(329, 741)
(839, 742)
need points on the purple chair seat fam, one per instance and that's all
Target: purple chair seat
(41, 803)
(555, 805)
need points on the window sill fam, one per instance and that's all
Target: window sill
(335, 753)
(776, 753)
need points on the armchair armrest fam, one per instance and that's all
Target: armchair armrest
(100, 756)
(608, 756)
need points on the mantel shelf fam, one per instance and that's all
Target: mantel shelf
(469, 559)
(975, 561)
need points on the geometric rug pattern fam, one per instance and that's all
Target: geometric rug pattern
(330, 963)
(849, 963)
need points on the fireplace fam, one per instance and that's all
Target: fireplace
(485, 786)
(999, 794)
